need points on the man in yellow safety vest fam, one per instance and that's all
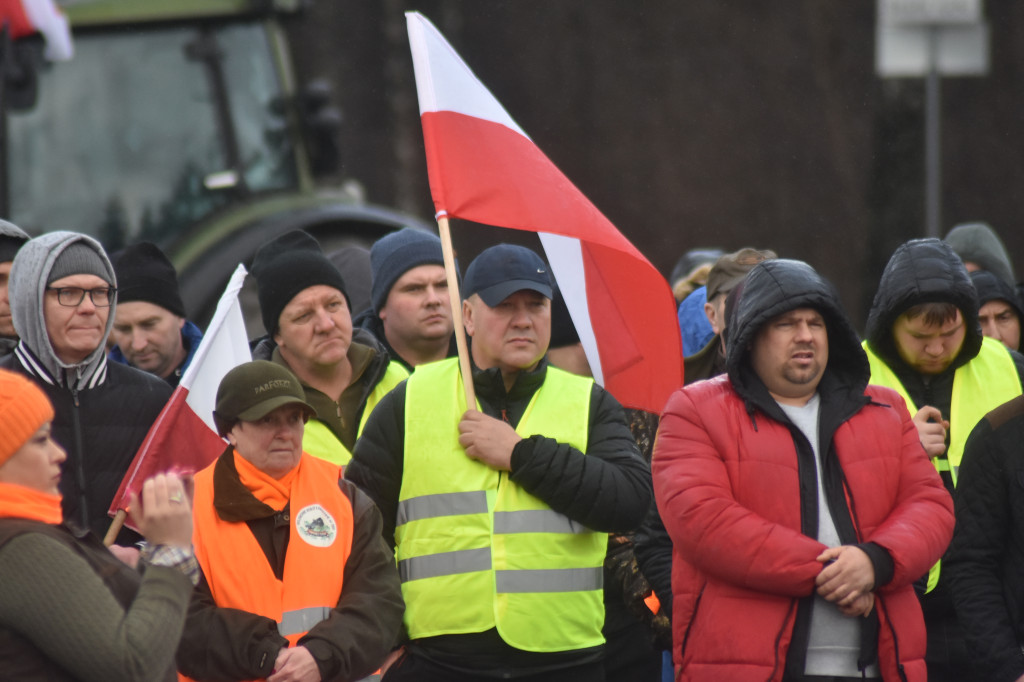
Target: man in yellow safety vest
(923, 339)
(499, 513)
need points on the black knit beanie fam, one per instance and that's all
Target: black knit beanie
(284, 267)
(145, 274)
(79, 258)
(395, 254)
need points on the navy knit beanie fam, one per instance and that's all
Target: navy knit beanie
(284, 267)
(395, 254)
(145, 274)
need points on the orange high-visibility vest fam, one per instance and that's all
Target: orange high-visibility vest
(319, 544)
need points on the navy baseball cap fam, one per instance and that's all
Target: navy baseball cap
(502, 270)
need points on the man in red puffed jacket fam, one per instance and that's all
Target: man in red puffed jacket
(799, 500)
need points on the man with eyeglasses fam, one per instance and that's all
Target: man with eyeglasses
(63, 295)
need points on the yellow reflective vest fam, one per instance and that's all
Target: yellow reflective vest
(475, 550)
(983, 384)
(980, 386)
(319, 441)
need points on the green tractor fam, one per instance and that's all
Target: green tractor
(178, 122)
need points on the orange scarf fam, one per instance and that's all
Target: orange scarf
(19, 502)
(273, 492)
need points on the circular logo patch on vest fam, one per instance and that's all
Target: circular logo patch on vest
(316, 526)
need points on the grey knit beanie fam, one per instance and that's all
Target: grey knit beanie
(395, 254)
(78, 259)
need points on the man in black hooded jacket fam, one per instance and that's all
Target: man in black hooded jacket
(924, 341)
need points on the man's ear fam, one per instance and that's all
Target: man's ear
(712, 316)
(467, 317)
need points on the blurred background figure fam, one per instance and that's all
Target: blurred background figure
(980, 248)
(1000, 310)
(11, 239)
(353, 262)
(688, 278)
(708, 360)
(68, 608)
(691, 271)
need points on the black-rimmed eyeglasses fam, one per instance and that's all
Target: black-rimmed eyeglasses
(72, 297)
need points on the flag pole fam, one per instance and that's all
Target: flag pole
(456, 302)
(115, 527)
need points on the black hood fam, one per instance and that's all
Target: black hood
(774, 287)
(922, 271)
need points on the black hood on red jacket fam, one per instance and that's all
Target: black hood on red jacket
(778, 286)
(922, 271)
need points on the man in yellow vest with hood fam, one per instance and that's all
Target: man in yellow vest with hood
(499, 514)
(924, 340)
(308, 319)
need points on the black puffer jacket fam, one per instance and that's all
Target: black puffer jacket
(983, 564)
(922, 271)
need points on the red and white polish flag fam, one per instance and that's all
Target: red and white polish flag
(484, 168)
(26, 17)
(183, 438)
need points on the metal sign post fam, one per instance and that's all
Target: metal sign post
(930, 39)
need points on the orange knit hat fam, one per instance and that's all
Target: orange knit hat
(23, 409)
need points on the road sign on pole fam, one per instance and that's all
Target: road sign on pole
(930, 39)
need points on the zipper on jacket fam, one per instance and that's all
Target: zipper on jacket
(778, 637)
(895, 640)
(76, 420)
(693, 618)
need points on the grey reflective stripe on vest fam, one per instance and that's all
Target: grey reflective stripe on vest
(301, 620)
(444, 563)
(550, 580)
(441, 504)
(536, 521)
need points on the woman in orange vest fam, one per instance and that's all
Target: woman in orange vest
(69, 609)
(296, 581)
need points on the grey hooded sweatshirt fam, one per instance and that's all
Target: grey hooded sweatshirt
(9, 234)
(102, 411)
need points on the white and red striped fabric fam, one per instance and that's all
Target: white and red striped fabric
(183, 438)
(26, 17)
(484, 168)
